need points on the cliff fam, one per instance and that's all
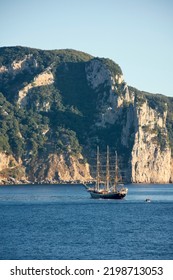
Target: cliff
(57, 106)
(11, 171)
(143, 130)
(59, 167)
(151, 154)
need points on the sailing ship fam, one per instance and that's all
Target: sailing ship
(107, 190)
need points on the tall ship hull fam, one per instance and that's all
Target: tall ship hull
(111, 195)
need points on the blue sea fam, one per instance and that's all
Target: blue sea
(62, 222)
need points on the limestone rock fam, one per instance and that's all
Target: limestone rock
(9, 167)
(43, 79)
(150, 161)
(61, 168)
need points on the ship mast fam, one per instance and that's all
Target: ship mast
(116, 171)
(98, 170)
(107, 170)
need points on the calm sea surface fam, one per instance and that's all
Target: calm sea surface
(63, 222)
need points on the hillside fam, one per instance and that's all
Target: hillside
(57, 106)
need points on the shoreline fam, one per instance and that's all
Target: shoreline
(14, 182)
(77, 182)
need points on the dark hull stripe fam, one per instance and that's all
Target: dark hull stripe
(107, 196)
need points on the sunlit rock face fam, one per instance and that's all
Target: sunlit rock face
(151, 159)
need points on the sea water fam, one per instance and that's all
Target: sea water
(62, 222)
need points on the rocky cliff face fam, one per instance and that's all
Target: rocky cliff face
(151, 154)
(102, 80)
(150, 160)
(42, 79)
(11, 171)
(59, 167)
(171, 179)
(56, 107)
(27, 62)
(7, 161)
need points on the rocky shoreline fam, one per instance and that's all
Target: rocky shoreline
(13, 181)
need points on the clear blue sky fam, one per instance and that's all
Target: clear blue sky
(137, 34)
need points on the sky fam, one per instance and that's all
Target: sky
(136, 34)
